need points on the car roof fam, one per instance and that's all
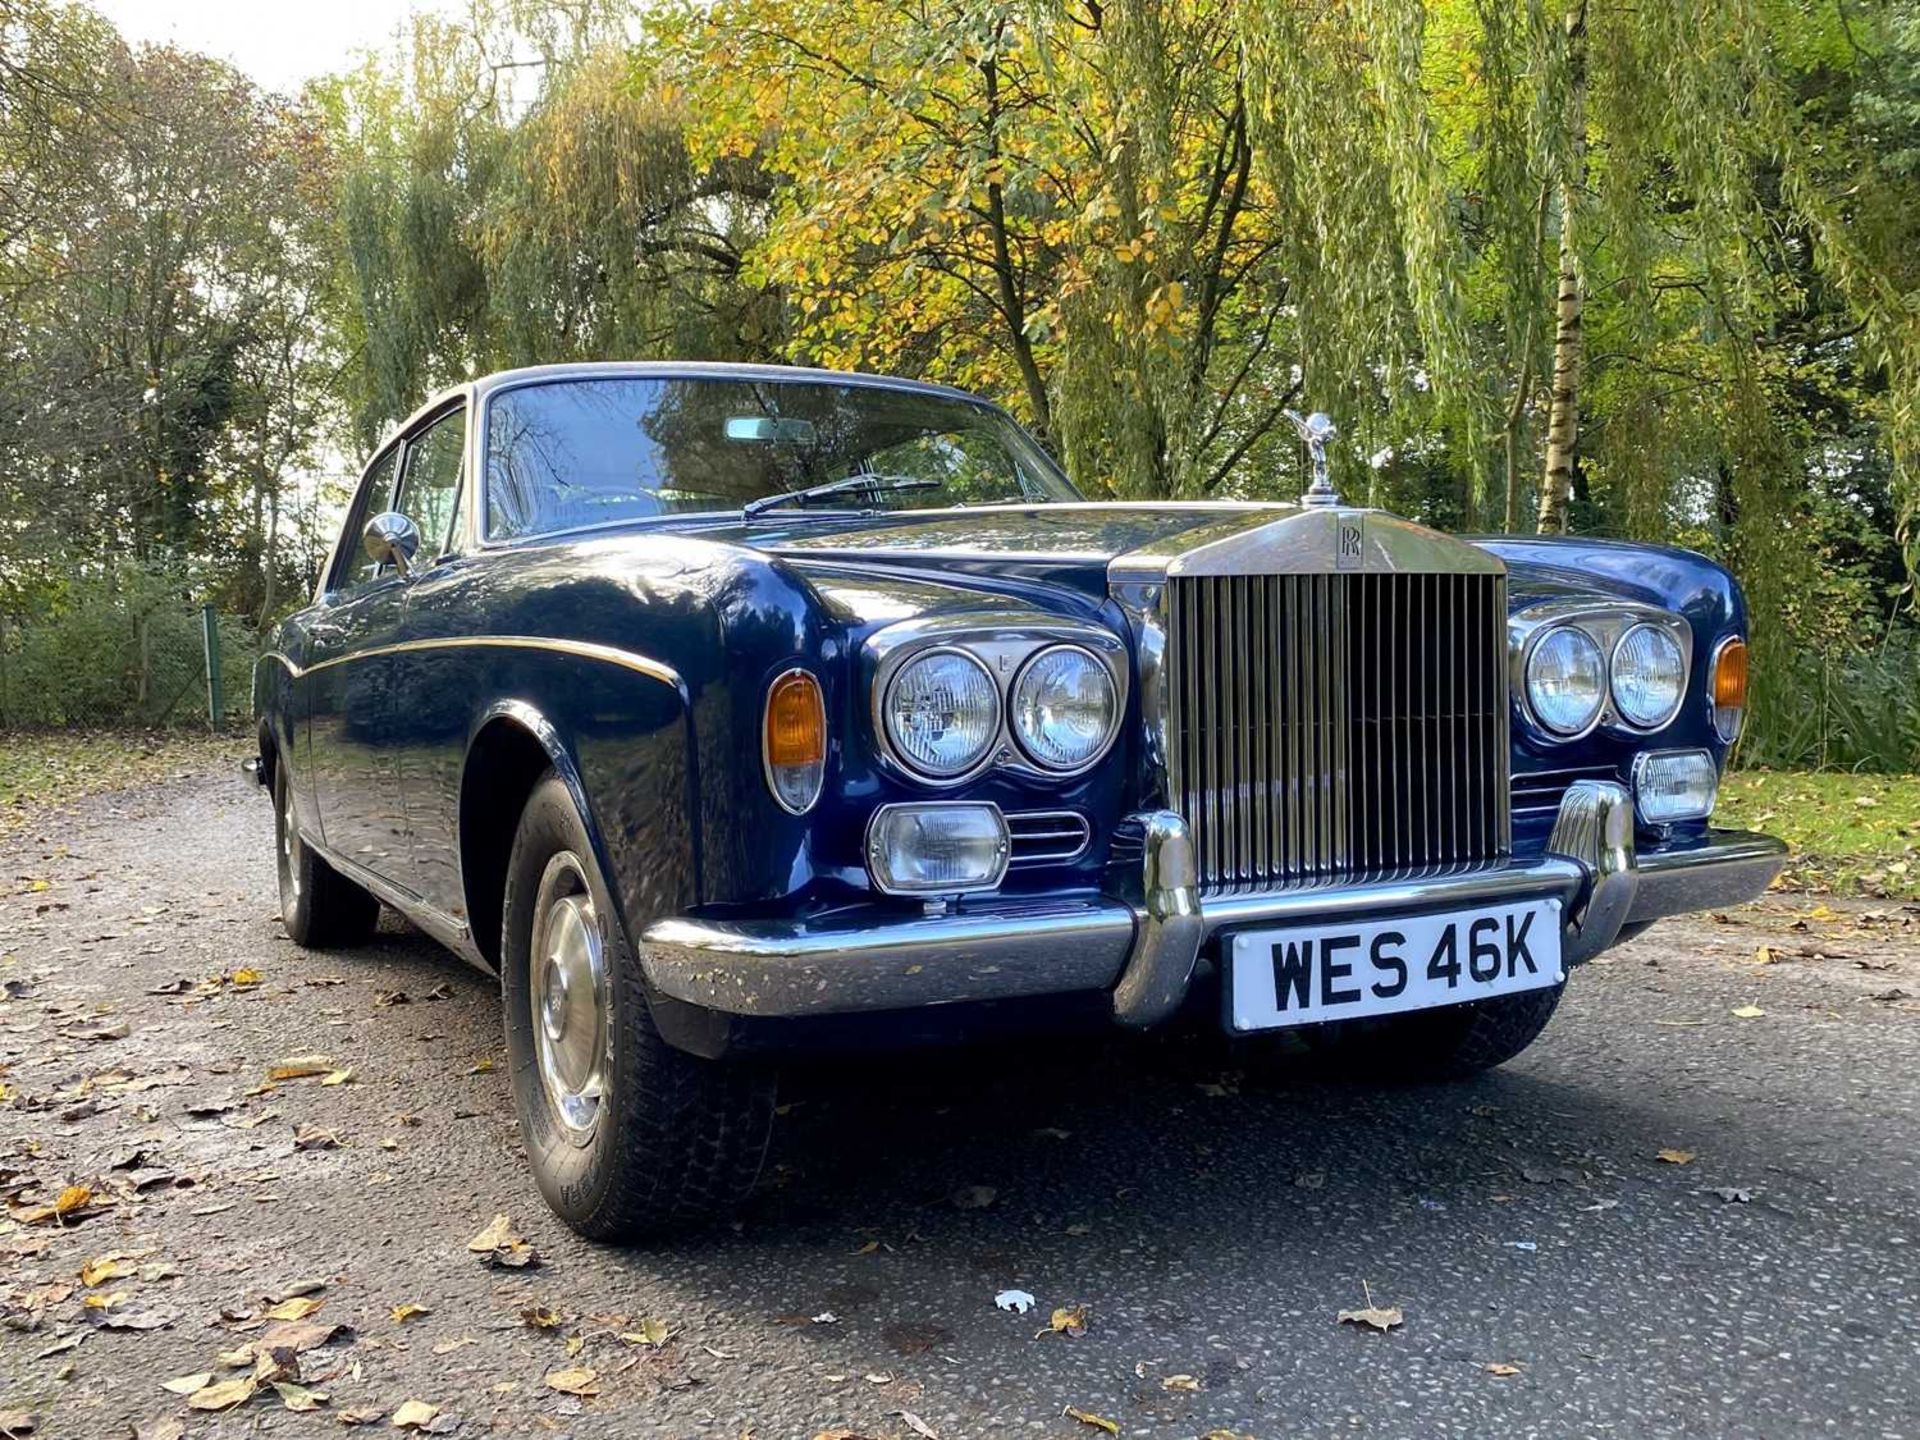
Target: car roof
(705, 370)
(485, 385)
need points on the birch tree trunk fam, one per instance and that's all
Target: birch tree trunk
(1563, 414)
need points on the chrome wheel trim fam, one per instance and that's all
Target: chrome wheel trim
(289, 852)
(568, 996)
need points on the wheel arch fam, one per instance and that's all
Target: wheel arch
(512, 746)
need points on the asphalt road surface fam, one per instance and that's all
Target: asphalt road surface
(1555, 1276)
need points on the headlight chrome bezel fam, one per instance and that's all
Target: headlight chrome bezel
(1613, 677)
(1004, 647)
(1606, 624)
(1025, 743)
(996, 723)
(1603, 681)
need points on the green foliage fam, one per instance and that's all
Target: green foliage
(1851, 834)
(124, 650)
(163, 369)
(1148, 226)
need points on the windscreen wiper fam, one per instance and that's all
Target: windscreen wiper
(853, 484)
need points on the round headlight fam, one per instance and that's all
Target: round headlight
(1566, 680)
(942, 713)
(1648, 671)
(1063, 707)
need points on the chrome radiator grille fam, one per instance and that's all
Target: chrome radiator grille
(1331, 725)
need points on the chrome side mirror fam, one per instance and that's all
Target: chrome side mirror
(392, 539)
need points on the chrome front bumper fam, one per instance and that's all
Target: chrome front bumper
(1143, 945)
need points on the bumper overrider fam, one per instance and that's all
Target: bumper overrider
(1142, 943)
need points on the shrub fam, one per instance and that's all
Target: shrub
(119, 649)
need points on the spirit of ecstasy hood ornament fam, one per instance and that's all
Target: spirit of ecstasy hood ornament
(1316, 430)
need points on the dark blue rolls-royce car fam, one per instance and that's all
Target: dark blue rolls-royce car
(726, 711)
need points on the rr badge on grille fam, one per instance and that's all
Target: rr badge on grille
(1351, 540)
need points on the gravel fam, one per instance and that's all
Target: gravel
(1554, 1275)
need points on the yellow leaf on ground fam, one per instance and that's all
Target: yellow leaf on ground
(1067, 1320)
(409, 1311)
(651, 1331)
(1380, 1318)
(188, 1384)
(414, 1415)
(300, 1067)
(103, 1268)
(337, 1077)
(74, 1197)
(224, 1396)
(499, 1232)
(1747, 1012)
(247, 976)
(1087, 1417)
(298, 1308)
(298, 1397)
(576, 1381)
(1675, 1157)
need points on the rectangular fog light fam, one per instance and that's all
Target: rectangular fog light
(946, 848)
(1670, 785)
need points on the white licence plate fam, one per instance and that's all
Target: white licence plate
(1303, 975)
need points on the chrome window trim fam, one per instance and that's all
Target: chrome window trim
(766, 756)
(1113, 725)
(1001, 643)
(1605, 622)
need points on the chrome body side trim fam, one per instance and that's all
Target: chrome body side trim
(584, 649)
(449, 931)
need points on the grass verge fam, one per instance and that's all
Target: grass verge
(43, 769)
(1851, 834)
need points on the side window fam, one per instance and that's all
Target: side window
(375, 495)
(430, 486)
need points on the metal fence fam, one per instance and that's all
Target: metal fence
(152, 665)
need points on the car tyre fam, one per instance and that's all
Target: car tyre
(1449, 1043)
(320, 908)
(629, 1138)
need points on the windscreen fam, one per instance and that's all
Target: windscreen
(565, 455)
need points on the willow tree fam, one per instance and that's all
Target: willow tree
(1054, 204)
(494, 211)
